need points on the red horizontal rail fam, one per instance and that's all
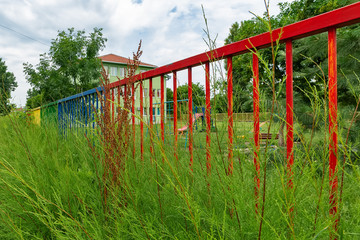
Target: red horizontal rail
(341, 17)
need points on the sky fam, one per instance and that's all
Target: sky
(170, 30)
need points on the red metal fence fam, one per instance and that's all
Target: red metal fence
(327, 22)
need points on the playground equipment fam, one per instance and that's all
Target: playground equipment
(196, 116)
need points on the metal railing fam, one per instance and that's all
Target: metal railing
(78, 106)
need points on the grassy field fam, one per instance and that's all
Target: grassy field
(53, 188)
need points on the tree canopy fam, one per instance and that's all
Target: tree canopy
(7, 85)
(198, 93)
(310, 54)
(71, 66)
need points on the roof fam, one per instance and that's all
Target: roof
(113, 58)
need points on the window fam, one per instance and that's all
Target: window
(122, 72)
(145, 110)
(154, 93)
(158, 112)
(113, 71)
(158, 93)
(145, 92)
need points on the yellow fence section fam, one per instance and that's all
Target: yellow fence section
(36, 116)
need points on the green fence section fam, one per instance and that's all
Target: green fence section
(49, 113)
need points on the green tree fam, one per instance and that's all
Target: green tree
(71, 66)
(310, 54)
(198, 93)
(169, 94)
(7, 85)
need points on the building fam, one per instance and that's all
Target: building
(116, 67)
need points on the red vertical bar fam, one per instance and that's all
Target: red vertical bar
(175, 113)
(113, 103)
(125, 94)
(151, 114)
(230, 115)
(124, 104)
(190, 117)
(256, 102)
(141, 121)
(333, 125)
(289, 124)
(118, 97)
(207, 114)
(289, 113)
(133, 115)
(162, 107)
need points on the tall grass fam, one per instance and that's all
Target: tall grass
(96, 187)
(54, 193)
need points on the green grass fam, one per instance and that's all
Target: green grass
(50, 190)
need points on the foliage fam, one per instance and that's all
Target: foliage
(7, 85)
(310, 54)
(169, 94)
(71, 66)
(198, 93)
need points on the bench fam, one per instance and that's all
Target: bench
(265, 136)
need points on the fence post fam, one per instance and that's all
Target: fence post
(162, 108)
(230, 115)
(175, 114)
(141, 120)
(289, 125)
(208, 120)
(133, 115)
(333, 181)
(190, 128)
(256, 103)
(151, 115)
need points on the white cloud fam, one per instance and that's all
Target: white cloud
(170, 29)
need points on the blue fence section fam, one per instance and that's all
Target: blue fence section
(78, 112)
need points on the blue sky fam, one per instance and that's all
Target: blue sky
(170, 29)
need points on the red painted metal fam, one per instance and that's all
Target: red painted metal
(162, 107)
(230, 115)
(338, 18)
(141, 121)
(133, 115)
(326, 22)
(190, 117)
(333, 180)
(289, 125)
(256, 104)
(207, 115)
(289, 113)
(151, 114)
(118, 96)
(113, 104)
(175, 114)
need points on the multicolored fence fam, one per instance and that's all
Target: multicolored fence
(77, 112)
